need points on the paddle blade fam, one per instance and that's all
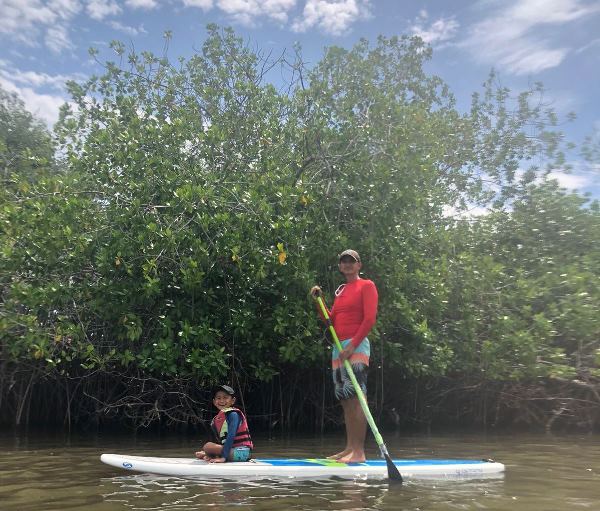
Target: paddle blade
(393, 472)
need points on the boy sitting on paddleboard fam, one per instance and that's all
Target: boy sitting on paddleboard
(230, 429)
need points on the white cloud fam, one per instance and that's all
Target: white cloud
(43, 106)
(65, 8)
(247, 11)
(591, 44)
(25, 21)
(27, 85)
(132, 31)
(529, 57)
(510, 37)
(439, 31)
(531, 12)
(30, 22)
(100, 9)
(471, 212)
(141, 4)
(21, 18)
(570, 181)
(332, 16)
(57, 39)
(205, 5)
(34, 79)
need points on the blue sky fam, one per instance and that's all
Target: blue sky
(44, 42)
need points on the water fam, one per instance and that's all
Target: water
(41, 472)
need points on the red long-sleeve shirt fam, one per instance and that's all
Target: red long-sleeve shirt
(354, 310)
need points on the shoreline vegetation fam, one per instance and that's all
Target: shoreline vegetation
(164, 237)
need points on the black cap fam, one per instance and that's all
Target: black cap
(225, 388)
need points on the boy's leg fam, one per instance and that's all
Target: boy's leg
(213, 450)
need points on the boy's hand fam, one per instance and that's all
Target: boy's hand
(316, 291)
(200, 455)
(217, 460)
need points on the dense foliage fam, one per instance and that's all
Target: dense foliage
(192, 205)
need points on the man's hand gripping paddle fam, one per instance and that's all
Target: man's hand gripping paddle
(393, 472)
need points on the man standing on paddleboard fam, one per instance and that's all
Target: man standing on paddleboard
(353, 315)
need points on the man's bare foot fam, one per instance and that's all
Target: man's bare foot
(353, 457)
(339, 455)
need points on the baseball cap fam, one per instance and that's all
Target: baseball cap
(225, 388)
(352, 253)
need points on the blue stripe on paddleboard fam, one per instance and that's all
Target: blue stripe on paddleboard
(370, 463)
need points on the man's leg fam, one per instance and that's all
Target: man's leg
(339, 377)
(356, 430)
(354, 417)
(348, 423)
(356, 422)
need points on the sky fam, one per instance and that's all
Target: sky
(44, 43)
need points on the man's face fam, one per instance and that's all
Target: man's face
(223, 400)
(348, 265)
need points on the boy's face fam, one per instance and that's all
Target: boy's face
(223, 400)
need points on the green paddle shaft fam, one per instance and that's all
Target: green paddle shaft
(359, 393)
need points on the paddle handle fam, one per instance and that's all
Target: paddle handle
(359, 393)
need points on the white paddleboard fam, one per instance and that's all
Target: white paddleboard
(305, 468)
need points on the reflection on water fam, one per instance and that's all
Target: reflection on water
(145, 492)
(543, 474)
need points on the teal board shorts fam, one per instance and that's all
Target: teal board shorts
(242, 453)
